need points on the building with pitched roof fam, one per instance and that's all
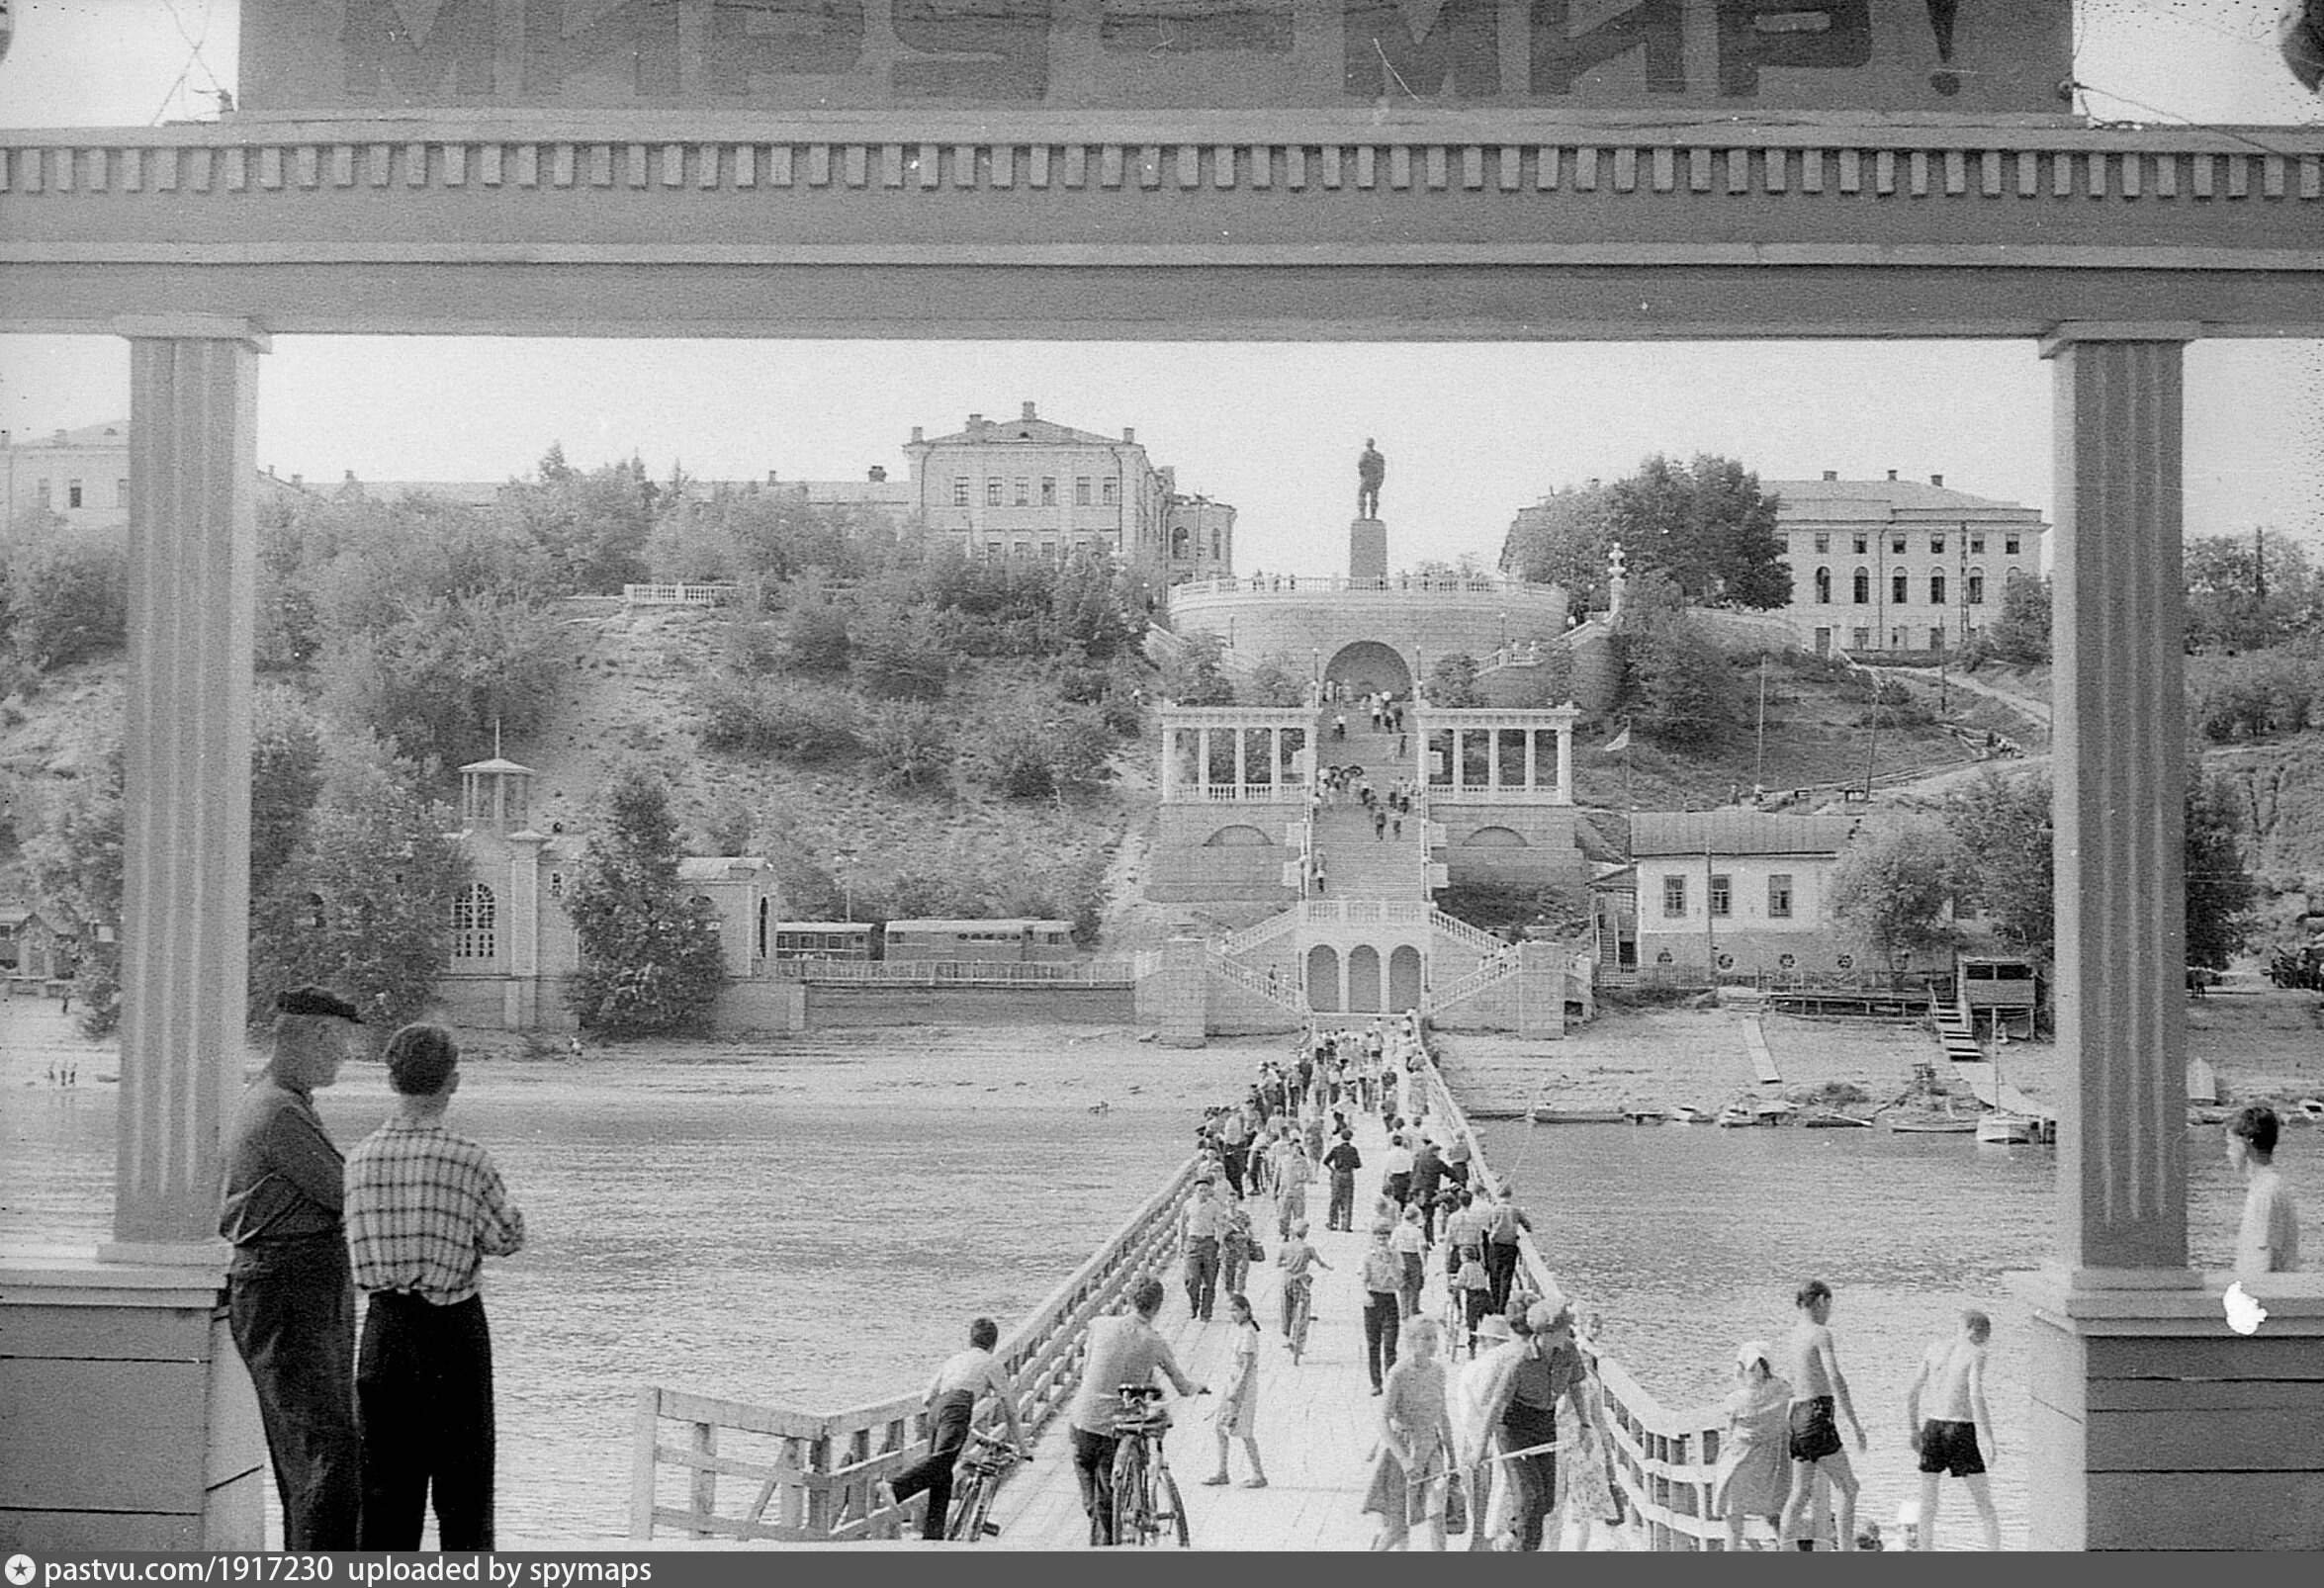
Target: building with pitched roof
(1736, 892)
(81, 475)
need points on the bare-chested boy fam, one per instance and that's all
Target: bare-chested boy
(1957, 1436)
(1817, 1385)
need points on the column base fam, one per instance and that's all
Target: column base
(2155, 1426)
(132, 1423)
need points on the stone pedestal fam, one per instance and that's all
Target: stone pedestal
(2155, 1426)
(1176, 997)
(1367, 549)
(131, 1424)
(1541, 990)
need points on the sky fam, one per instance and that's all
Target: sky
(1472, 431)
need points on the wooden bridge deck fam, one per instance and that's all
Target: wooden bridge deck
(1318, 1422)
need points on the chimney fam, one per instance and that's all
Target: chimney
(1936, 480)
(771, 477)
(1594, 483)
(1128, 435)
(974, 420)
(1831, 474)
(1028, 411)
(1892, 473)
(878, 474)
(917, 437)
(350, 477)
(298, 480)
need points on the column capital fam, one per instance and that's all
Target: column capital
(196, 327)
(2067, 332)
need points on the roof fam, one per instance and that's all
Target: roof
(496, 764)
(115, 433)
(1668, 833)
(1032, 432)
(1826, 498)
(980, 924)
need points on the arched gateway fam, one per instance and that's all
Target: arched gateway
(1366, 668)
(671, 171)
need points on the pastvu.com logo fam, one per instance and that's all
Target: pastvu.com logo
(20, 1567)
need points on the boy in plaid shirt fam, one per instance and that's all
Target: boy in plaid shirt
(424, 1207)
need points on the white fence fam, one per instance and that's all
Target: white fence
(680, 594)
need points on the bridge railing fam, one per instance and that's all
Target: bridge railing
(1664, 1459)
(794, 1475)
(956, 972)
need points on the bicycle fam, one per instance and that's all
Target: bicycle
(986, 1458)
(1147, 1507)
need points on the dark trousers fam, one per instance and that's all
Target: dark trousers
(933, 1472)
(1536, 1492)
(1380, 1327)
(1342, 1214)
(1232, 1158)
(1501, 1266)
(1202, 1275)
(292, 1308)
(424, 1387)
(1093, 1469)
(1399, 1189)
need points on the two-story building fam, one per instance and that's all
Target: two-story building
(1736, 892)
(81, 475)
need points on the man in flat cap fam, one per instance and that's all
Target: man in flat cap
(289, 1296)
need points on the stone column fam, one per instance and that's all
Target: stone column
(186, 813)
(1565, 762)
(2118, 747)
(1492, 758)
(1203, 761)
(1532, 761)
(1275, 764)
(1242, 776)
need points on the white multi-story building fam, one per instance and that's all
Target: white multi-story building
(1031, 489)
(1896, 565)
(81, 475)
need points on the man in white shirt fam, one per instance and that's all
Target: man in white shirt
(2269, 1239)
(953, 1394)
(1124, 1348)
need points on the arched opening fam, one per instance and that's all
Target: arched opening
(1238, 837)
(1323, 979)
(1368, 667)
(1824, 586)
(1494, 837)
(474, 920)
(1364, 980)
(1403, 977)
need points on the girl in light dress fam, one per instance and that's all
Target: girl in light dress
(1237, 1416)
(1585, 1468)
(1754, 1466)
(1415, 1456)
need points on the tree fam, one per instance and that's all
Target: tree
(77, 869)
(2221, 896)
(286, 776)
(1706, 525)
(651, 960)
(1894, 888)
(365, 903)
(67, 596)
(1276, 679)
(1452, 681)
(1564, 539)
(1676, 683)
(2021, 636)
(441, 678)
(2245, 592)
(2001, 828)
(906, 740)
(1194, 674)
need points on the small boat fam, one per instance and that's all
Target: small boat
(1644, 1116)
(1686, 1113)
(1932, 1127)
(1999, 1129)
(2311, 1109)
(1735, 1116)
(1831, 1119)
(1774, 1114)
(1551, 1116)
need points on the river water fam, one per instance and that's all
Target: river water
(812, 1228)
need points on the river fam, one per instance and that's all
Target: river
(813, 1226)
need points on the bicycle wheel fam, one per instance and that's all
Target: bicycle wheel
(964, 1505)
(976, 1527)
(1170, 1512)
(1131, 1523)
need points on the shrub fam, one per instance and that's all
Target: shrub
(68, 597)
(801, 722)
(817, 639)
(908, 742)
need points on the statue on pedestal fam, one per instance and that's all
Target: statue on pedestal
(1369, 469)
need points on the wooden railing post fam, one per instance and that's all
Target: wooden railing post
(645, 1432)
(702, 1499)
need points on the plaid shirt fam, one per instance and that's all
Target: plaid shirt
(424, 1207)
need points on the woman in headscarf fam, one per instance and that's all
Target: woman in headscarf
(1755, 1468)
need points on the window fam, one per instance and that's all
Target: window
(1214, 545)
(960, 490)
(556, 884)
(2009, 546)
(1862, 586)
(72, 493)
(1824, 586)
(1896, 545)
(1897, 586)
(1822, 545)
(991, 493)
(1111, 491)
(1936, 589)
(1977, 545)
(1977, 586)
(1779, 897)
(1048, 490)
(44, 494)
(121, 494)
(1936, 639)
(992, 551)
(1081, 491)
(1936, 545)
(1663, 958)
(1023, 491)
(1863, 543)
(1860, 638)
(473, 921)
(1721, 896)
(311, 912)
(1674, 896)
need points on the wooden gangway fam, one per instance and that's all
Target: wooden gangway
(712, 1469)
(1974, 1069)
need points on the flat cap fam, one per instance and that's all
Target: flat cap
(314, 1000)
